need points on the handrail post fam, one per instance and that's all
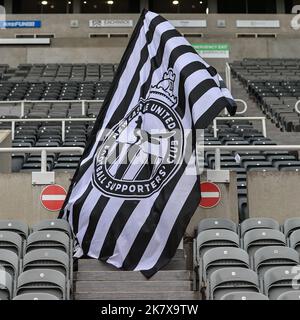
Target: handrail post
(228, 76)
(296, 106)
(44, 161)
(22, 108)
(13, 130)
(83, 107)
(217, 159)
(215, 128)
(264, 127)
(63, 131)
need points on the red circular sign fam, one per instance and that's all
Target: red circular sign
(210, 195)
(53, 197)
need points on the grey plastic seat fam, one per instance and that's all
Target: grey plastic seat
(43, 281)
(224, 257)
(244, 295)
(228, 280)
(15, 226)
(290, 295)
(278, 280)
(47, 258)
(216, 223)
(258, 238)
(269, 257)
(10, 262)
(48, 239)
(11, 241)
(6, 285)
(209, 239)
(294, 240)
(36, 296)
(291, 225)
(258, 223)
(55, 224)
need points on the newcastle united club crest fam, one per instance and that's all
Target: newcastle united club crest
(144, 150)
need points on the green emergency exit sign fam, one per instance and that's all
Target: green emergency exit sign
(212, 50)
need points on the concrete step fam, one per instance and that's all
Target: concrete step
(132, 286)
(166, 295)
(96, 265)
(170, 275)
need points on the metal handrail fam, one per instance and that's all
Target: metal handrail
(296, 106)
(62, 120)
(262, 119)
(43, 152)
(245, 106)
(22, 103)
(228, 76)
(217, 150)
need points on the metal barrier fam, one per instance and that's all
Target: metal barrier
(43, 152)
(23, 102)
(262, 119)
(62, 120)
(228, 76)
(296, 106)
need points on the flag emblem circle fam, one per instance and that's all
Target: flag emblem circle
(210, 195)
(52, 197)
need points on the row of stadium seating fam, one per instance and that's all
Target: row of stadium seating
(274, 85)
(31, 73)
(36, 263)
(256, 260)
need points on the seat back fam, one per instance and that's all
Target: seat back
(258, 223)
(244, 295)
(216, 223)
(36, 296)
(290, 295)
(12, 241)
(6, 285)
(55, 224)
(19, 227)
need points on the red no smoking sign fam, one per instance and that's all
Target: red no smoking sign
(210, 195)
(53, 197)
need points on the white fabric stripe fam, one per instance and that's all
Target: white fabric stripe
(205, 102)
(210, 194)
(103, 226)
(136, 165)
(168, 219)
(85, 213)
(53, 197)
(122, 159)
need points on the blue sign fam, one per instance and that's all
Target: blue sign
(20, 24)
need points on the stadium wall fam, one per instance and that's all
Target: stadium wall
(73, 45)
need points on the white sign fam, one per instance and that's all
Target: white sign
(258, 23)
(189, 23)
(111, 23)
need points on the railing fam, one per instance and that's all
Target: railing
(23, 102)
(43, 152)
(247, 148)
(62, 120)
(228, 76)
(262, 119)
(296, 106)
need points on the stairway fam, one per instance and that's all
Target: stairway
(96, 280)
(239, 92)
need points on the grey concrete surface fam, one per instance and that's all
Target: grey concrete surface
(5, 158)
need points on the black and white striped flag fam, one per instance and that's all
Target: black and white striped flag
(137, 187)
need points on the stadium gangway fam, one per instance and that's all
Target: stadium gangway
(23, 102)
(62, 120)
(262, 119)
(43, 152)
(218, 150)
(296, 106)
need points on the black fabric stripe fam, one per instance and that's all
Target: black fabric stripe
(93, 222)
(178, 230)
(77, 206)
(214, 110)
(200, 90)
(146, 232)
(116, 228)
(101, 116)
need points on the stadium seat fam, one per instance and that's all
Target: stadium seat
(244, 295)
(15, 226)
(290, 295)
(6, 285)
(294, 240)
(10, 262)
(269, 257)
(55, 224)
(224, 257)
(229, 280)
(11, 241)
(279, 280)
(43, 281)
(36, 296)
(216, 223)
(258, 223)
(258, 238)
(290, 225)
